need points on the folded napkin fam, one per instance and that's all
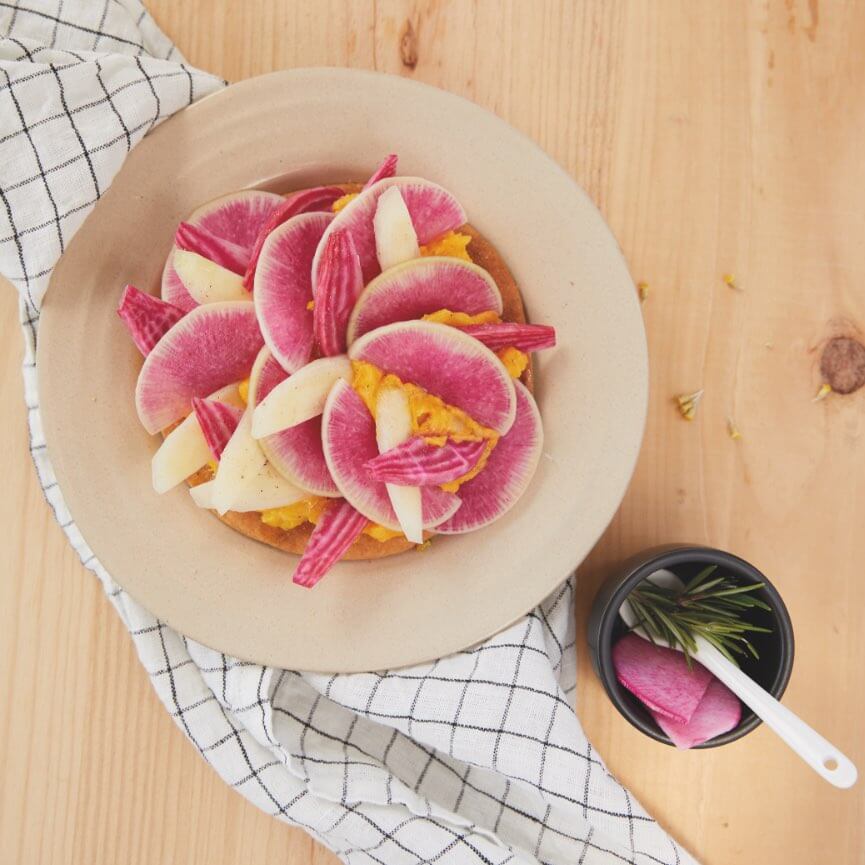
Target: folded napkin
(478, 757)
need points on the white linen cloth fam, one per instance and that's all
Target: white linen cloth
(478, 757)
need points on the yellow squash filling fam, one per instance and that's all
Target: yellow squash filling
(308, 511)
(451, 244)
(432, 419)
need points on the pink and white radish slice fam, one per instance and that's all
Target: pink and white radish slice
(211, 346)
(508, 334)
(283, 288)
(185, 450)
(349, 438)
(320, 198)
(445, 362)
(387, 168)
(244, 478)
(421, 286)
(340, 283)
(296, 453)
(395, 237)
(336, 530)
(237, 217)
(392, 427)
(416, 463)
(218, 421)
(206, 281)
(147, 318)
(433, 210)
(300, 397)
(225, 253)
(507, 474)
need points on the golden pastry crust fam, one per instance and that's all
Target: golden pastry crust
(294, 541)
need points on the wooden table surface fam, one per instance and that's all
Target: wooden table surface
(716, 138)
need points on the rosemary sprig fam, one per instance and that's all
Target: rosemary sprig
(708, 606)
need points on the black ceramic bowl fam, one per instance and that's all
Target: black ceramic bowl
(771, 671)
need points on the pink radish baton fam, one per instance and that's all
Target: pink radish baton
(318, 198)
(387, 168)
(340, 282)
(225, 253)
(336, 530)
(660, 677)
(525, 337)
(218, 421)
(418, 464)
(147, 318)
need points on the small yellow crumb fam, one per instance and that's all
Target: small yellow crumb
(825, 390)
(310, 304)
(643, 290)
(243, 391)
(769, 345)
(340, 203)
(419, 548)
(730, 281)
(732, 429)
(688, 404)
(212, 465)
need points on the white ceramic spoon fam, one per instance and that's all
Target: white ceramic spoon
(822, 756)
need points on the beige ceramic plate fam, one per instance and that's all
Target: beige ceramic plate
(293, 129)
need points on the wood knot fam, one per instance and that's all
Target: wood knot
(408, 45)
(842, 364)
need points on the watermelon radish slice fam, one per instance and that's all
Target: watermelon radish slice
(717, 712)
(417, 463)
(296, 453)
(395, 237)
(433, 211)
(206, 281)
(340, 282)
(422, 286)
(507, 474)
(446, 363)
(392, 428)
(225, 253)
(300, 397)
(244, 471)
(147, 318)
(386, 169)
(211, 346)
(336, 530)
(306, 201)
(283, 288)
(218, 421)
(238, 217)
(525, 337)
(348, 433)
(660, 677)
(185, 449)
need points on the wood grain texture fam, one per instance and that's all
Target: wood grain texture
(715, 137)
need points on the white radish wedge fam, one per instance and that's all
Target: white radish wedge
(268, 489)
(184, 450)
(245, 480)
(300, 397)
(207, 281)
(395, 237)
(392, 428)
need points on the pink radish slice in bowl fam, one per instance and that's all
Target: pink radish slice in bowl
(225, 253)
(420, 464)
(237, 217)
(434, 211)
(283, 288)
(218, 421)
(340, 282)
(446, 363)
(387, 168)
(508, 334)
(336, 530)
(296, 453)
(507, 473)
(147, 318)
(349, 437)
(718, 711)
(210, 347)
(420, 287)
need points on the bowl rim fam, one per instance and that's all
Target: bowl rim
(605, 611)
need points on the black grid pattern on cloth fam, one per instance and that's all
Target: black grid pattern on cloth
(477, 757)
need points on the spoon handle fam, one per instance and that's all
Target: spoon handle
(822, 756)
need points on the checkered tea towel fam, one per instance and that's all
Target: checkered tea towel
(476, 758)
